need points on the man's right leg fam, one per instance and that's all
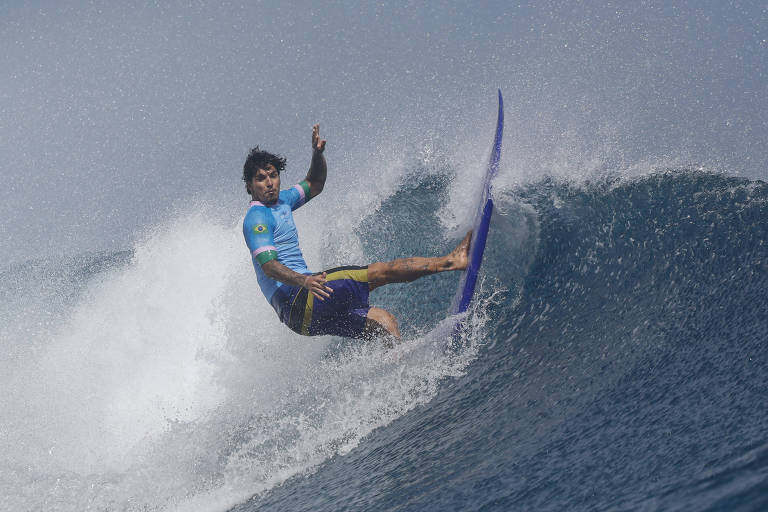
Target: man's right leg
(381, 321)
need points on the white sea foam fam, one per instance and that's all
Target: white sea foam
(170, 383)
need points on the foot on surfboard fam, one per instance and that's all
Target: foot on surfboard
(459, 257)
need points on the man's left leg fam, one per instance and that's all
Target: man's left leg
(403, 270)
(409, 269)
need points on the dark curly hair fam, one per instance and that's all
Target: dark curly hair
(259, 159)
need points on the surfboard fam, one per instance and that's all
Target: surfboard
(481, 225)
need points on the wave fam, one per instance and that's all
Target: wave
(623, 369)
(612, 360)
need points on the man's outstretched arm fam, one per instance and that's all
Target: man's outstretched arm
(315, 284)
(317, 169)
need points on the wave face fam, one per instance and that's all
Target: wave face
(623, 369)
(615, 358)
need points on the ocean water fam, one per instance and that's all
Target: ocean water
(614, 359)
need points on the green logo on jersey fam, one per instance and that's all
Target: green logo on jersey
(260, 229)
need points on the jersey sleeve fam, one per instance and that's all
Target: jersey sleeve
(258, 229)
(297, 195)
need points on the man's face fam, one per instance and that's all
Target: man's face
(265, 185)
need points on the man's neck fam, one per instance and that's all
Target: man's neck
(255, 199)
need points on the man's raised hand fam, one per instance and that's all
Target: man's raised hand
(318, 144)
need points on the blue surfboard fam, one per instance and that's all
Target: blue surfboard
(481, 224)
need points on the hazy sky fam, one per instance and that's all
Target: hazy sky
(113, 114)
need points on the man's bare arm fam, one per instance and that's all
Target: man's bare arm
(314, 284)
(318, 170)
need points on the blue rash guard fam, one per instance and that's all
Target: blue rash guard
(271, 235)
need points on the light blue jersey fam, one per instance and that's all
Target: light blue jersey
(270, 233)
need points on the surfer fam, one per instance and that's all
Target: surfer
(335, 301)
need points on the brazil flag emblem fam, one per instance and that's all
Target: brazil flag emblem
(260, 229)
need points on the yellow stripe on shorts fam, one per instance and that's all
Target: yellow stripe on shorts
(307, 315)
(359, 275)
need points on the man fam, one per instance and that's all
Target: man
(334, 301)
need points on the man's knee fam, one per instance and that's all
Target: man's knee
(378, 275)
(385, 320)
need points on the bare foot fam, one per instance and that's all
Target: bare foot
(459, 257)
